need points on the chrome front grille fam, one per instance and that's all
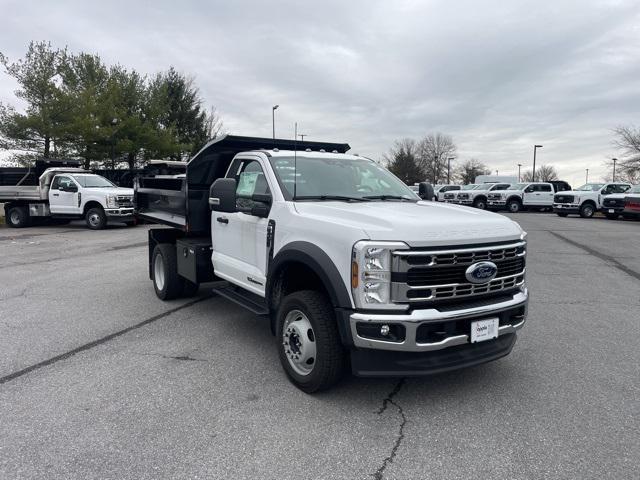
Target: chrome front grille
(494, 196)
(448, 196)
(124, 201)
(439, 274)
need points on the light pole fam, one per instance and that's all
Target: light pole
(586, 180)
(273, 119)
(497, 174)
(519, 165)
(535, 147)
(449, 169)
(302, 135)
(614, 169)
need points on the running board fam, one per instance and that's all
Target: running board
(248, 300)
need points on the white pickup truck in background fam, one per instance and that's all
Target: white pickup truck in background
(523, 196)
(67, 193)
(344, 261)
(478, 196)
(587, 199)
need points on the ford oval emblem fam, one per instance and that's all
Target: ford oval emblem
(481, 272)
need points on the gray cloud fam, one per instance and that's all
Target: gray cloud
(498, 76)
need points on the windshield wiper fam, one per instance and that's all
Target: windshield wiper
(343, 198)
(388, 197)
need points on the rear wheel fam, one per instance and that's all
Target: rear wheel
(18, 217)
(587, 210)
(96, 218)
(164, 267)
(308, 342)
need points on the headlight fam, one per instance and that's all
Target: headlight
(111, 201)
(503, 196)
(371, 273)
(576, 199)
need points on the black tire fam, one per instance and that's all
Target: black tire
(587, 210)
(611, 216)
(18, 217)
(164, 267)
(190, 289)
(514, 206)
(560, 214)
(480, 203)
(329, 362)
(130, 224)
(96, 218)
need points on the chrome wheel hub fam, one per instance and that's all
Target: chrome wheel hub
(94, 219)
(299, 342)
(15, 217)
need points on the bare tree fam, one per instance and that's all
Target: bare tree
(402, 161)
(434, 150)
(470, 169)
(628, 140)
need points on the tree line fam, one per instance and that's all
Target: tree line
(433, 159)
(77, 106)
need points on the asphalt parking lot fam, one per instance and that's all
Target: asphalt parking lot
(193, 388)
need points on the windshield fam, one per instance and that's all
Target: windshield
(518, 186)
(331, 178)
(635, 189)
(471, 186)
(92, 181)
(590, 187)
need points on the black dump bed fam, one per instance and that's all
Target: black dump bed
(28, 176)
(183, 201)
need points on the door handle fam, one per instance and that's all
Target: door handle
(222, 220)
(55, 194)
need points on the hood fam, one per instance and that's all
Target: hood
(110, 190)
(620, 196)
(418, 224)
(508, 192)
(578, 194)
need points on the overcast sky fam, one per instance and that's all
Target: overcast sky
(497, 76)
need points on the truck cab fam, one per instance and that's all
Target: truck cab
(346, 264)
(522, 196)
(587, 199)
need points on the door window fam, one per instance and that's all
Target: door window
(250, 179)
(63, 182)
(544, 188)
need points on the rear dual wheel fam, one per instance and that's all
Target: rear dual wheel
(167, 283)
(18, 217)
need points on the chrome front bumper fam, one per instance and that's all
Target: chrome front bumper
(119, 212)
(413, 320)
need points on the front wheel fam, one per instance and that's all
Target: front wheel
(514, 206)
(96, 218)
(308, 342)
(481, 204)
(18, 217)
(587, 210)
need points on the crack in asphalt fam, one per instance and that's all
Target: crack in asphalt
(612, 261)
(176, 357)
(100, 341)
(379, 473)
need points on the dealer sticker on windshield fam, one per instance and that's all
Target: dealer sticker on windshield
(484, 330)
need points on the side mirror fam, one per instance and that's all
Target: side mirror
(425, 191)
(529, 190)
(68, 188)
(222, 195)
(262, 198)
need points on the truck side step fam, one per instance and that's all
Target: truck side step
(248, 300)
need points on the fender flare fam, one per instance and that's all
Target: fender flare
(514, 197)
(315, 258)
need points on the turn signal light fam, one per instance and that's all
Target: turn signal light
(354, 274)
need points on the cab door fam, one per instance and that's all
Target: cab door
(63, 195)
(239, 238)
(546, 195)
(530, 196)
